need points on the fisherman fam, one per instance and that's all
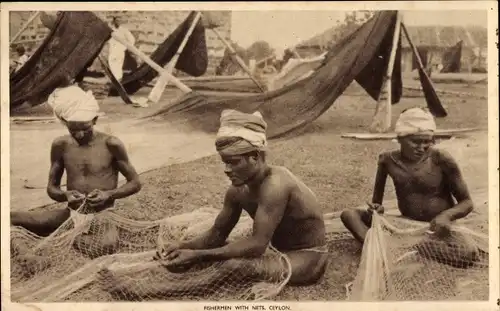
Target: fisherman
(117, 50)
(427, 181)
(92, 161)
(285, 212)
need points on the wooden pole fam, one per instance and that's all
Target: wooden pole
(238, 59)
(157, 91)
(383, 112)
(23, 28)
(116, 84)
(151, 63)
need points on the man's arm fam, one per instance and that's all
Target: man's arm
(224, 223)
(56, 171)
(380, 180)
(133, 184)
(458, 188)
(272, 204)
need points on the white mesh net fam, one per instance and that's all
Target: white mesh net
(400, 260)
(68, 265)
(403, 260)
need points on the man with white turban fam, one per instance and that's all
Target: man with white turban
(92, 161)
(286, 215)
(427, 181)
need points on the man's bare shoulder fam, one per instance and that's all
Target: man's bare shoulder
(61, 141)
(236, 194)
(386, 156)
(443, 157)
(281, 177)
(111, 140)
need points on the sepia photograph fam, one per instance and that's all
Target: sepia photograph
(248, 155)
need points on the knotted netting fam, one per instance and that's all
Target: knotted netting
(106, 257)
(404, 260)
(400, 260)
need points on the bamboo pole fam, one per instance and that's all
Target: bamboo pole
(161, 83)
(23, 28)
(238, 59)
(383, 112)
(151, 63)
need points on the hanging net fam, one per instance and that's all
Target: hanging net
(108, 257)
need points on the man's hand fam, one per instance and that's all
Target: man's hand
(164, 252)
(74, 197)
(181, 257)
(98, 197)
(441, 226)
(379, 208)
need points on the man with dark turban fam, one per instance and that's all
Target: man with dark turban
(286, 215)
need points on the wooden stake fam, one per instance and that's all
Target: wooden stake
(383, 112)
(116, 84)
(157, 91)
(238, 59)
(23, 28)
(151, 63)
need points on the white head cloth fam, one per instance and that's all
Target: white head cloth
(415, 121)
(73, 104)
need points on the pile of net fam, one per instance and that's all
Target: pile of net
(400, 260)
(403, 260)
(65, 265)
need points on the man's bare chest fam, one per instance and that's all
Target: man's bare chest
(88, 160)
(425, 176)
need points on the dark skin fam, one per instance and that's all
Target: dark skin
(92, 161)
(285, 211)
(427, 182)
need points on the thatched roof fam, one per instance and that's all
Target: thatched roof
(430, 36)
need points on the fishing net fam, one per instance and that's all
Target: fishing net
(403, 260)
(400, 260)
(68, 265)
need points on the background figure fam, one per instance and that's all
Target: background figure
(117, 50)
(23, 57)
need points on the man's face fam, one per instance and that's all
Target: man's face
(239, 168)
(414, 147)
(82, 132)
(116, 22)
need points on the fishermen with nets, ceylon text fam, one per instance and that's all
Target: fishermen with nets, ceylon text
(285, 212)
(427, 182)
(92, 161)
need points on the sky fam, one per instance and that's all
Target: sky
(287, 28)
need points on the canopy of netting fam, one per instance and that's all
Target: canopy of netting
(400, 260)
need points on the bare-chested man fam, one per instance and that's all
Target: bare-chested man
(92, 161)
(285, 212)
(427, 183)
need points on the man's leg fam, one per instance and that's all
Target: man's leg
(40, 222)
(102, 239)
(307, 268)
(357, 221)
(456, 250)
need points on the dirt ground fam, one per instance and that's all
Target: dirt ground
(340, 171)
